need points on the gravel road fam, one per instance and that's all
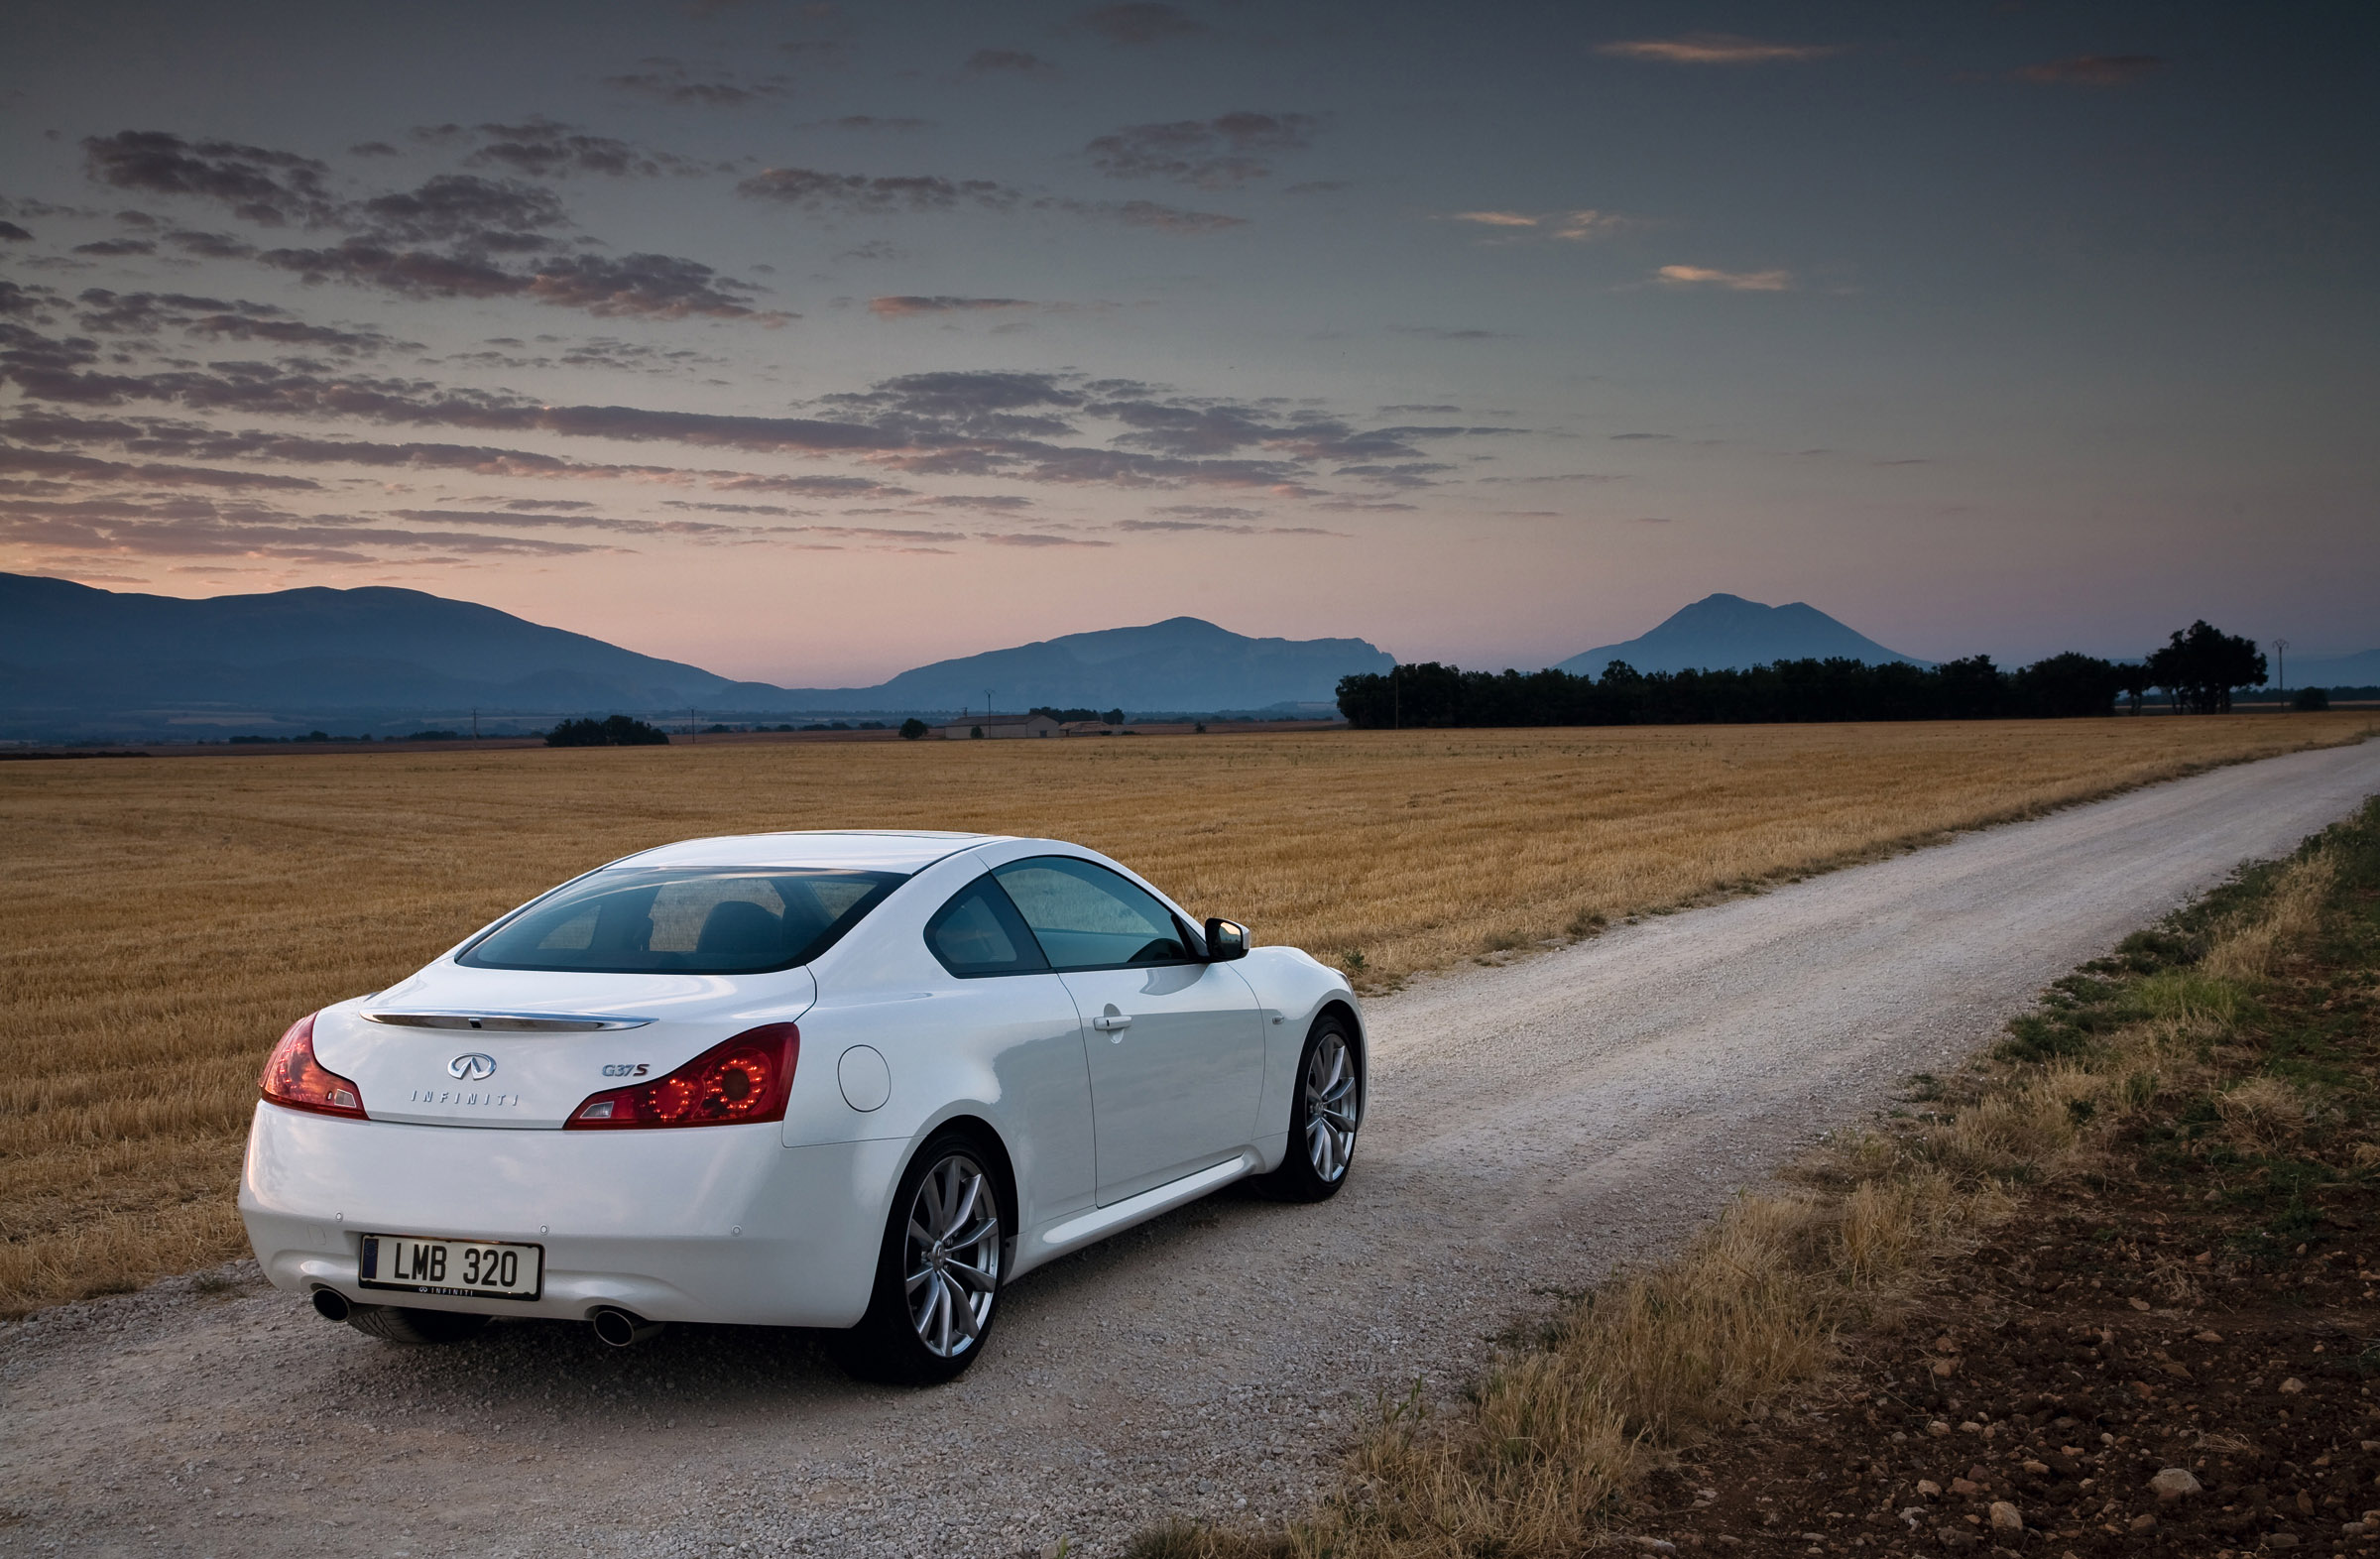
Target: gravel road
(1530, 1125)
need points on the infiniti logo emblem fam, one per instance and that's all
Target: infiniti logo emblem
(472, 1068)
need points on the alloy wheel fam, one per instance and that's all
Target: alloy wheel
(952, 1265)
(1332, 1107)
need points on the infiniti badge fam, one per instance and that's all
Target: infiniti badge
(472, 1068)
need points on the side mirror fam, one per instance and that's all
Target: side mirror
(1226, 941)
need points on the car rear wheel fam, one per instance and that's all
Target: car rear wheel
(1324, 1115)
(937, 1278)
(403, 1324)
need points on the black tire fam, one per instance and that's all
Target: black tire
(1329, 1079)
(413, 1328)
(931, 1312)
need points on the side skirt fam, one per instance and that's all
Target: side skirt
(1105, 1220)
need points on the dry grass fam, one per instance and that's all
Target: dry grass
(1537, 1463)
(167, 917)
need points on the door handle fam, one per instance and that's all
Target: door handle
(1112, 1023)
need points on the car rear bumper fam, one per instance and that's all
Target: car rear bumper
(720, 1224)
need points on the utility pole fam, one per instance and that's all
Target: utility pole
(2281, 649)
(474, 725)
(987, 700)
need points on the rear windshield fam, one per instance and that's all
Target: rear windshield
(705, 920)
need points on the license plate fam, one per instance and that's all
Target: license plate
(465, 1268)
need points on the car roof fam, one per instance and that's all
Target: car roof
(859, 849)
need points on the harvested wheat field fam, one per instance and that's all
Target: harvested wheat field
(170, 916)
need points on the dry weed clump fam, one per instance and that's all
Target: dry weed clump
(168, 917)
(1535, 1465)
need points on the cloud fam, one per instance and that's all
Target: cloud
(1210, 154)
(1723, 49)
(196, 526)
(811, 486)
(1209, 512)
(372, 149)
(1626, 437)
(1172, 525)
(1445, 333)
(478, 214)
(210, 246)
(146, 313)
(809, 189)
(1036, 538)
(2092, 71)
(60, 464)
(14, 234)
(544, 149)
(654, 287)
(908, 307)
(1139, 23)
(1159, 218)
(670, 81)
(1729, 281)
(267, 187)
(1009, 62)
(109, 247)
(1057, 428)
(862, 195)
(1577, 226)
(688, 530)
(985, 503)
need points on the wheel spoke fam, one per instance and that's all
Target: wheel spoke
(964, 1210)
(974, 1277)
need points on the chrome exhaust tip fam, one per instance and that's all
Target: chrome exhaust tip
(331, 1305)
(619, 1328)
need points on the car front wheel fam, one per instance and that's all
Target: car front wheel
(1324, 1115)
(937, 1279)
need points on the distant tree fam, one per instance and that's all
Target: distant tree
(436, 735)
(976, 732)
(617, 731)
(2313, 698)
(2201, 665)
(1070, 716)
(912, 728)
(1112, 717)
(2067, 685)
(2134, 681)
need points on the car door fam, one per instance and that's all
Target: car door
(1177, 1044)
(1010, 1006)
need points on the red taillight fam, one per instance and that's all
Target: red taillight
(295, 1080)
(745, 1079)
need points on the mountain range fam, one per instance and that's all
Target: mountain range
(75, 657)
(82, 662)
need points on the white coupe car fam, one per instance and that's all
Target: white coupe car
(847, 1080)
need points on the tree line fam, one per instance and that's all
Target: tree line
(2199, 668)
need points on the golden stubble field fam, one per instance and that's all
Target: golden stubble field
(165, 919)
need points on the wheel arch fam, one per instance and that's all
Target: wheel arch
(1002, 1166)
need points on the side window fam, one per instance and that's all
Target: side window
(978, 933)
(1085, 916)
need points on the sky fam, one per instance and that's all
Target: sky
(809, 343)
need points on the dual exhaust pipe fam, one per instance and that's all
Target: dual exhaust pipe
(614, 1327)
